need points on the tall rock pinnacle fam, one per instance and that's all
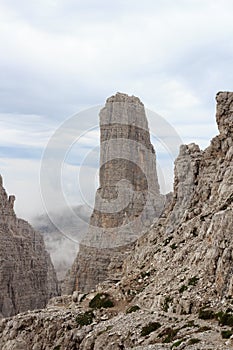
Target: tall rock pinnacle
(128, 198)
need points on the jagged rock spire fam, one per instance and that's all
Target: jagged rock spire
(128, 199)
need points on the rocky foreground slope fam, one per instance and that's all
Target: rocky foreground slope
(177, 286)
(27, 276)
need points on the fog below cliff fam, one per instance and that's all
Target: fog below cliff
(62, 232)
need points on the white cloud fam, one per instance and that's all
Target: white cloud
(58, 57)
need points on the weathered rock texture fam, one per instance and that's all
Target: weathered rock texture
(27, 277)
(179, 272)
(128, 199)
(188, 255)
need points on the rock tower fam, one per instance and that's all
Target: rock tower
(128, 199)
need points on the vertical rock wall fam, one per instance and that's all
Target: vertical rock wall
(27, 276)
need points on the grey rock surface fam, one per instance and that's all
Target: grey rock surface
(27, 276)
(178, 278)
(128, 199)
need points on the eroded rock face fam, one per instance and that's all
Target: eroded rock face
(128, 199)
(27, 277)
(182, 265)
(188, 255)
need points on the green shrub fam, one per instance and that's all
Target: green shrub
(166, 303)
(183, 288)
(206, 314)
(101, 300)
(193, 281)
(174, 246)
(177, 343)
(132, 309)
(168, 334)
(226, 334)
(85, 318)
(149, 328)
(193, 341)
(225, 318)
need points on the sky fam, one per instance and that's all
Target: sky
(62, 57)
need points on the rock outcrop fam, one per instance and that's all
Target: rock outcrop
(176, 290)
(128, 199)
(188, 255)
(27, 276)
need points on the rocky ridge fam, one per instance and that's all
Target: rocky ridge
(27, 276)
(176, 290)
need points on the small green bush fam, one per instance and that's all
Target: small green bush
(149, 328)
(225, 318)
(132, 309)
(226, 334)
(101, 300)
(174, 246)
(177, 343)
(168, 334)
(193, 281)
(206, 314)
(166, 303)
(193, 341)
(183, 288)
(85, 318)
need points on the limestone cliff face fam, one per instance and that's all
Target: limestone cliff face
(128, 199)
(27, 277)
(188, 255)
(184, 263)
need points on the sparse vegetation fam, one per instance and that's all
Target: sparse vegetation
(166, 303)
(168, 334)
(101, 300)
(149, 328)
(177, 343)
(206, 314)
(193, 281)
(183, 288)
(193, 341)
(174, 246)
(85, 318)
(225, 318)
(132, 309)
(204, 329)
(226, 334)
